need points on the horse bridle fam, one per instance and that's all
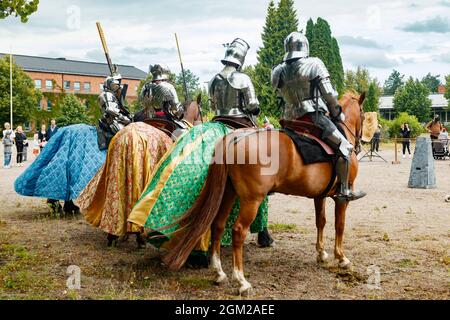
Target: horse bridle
(357, 135)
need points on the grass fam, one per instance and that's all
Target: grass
(407, 263)
(281, 227)
(195, 282)
(17, 274)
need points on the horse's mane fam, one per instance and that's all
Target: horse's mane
(352, 94)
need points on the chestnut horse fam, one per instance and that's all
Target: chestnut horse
(228, 180)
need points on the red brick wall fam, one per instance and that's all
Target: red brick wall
(95, 82)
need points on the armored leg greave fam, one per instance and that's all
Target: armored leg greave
(343, 167)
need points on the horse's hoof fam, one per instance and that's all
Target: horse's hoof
(112, 241)
(221, 279)
(245, 290)
(140, 241)
(322, 257)
(345, 264)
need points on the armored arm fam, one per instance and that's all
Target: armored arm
(110, 106)
(327, 91)
(250, 99)
(211, 87)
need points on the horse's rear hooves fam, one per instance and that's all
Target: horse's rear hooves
(245, 291)
(345, 264)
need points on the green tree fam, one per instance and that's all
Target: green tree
(431, 82)
(413, 99)
(413, 124)
(72, 111)
(372, 97)
(447, 89)
(18, 8)
(358, 81)
(192, 84)
(394, 82)
(25, 97)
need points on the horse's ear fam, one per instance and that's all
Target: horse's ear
(362, 97)
(199, 98)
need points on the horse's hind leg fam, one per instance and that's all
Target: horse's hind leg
(319, 204)
(340, 209)
(246, 216)
(217, 229)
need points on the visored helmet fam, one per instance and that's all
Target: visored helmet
(113, 83)
(296, 46)
(236, 52)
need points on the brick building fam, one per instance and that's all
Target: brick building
(52, 75)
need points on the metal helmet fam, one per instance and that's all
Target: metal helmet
(296, 46)
(236, 52)
(159, 72)
(112, 83)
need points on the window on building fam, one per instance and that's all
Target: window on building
(49, 105)
(76, 86)
(87, 87)
(39, 105)
(49, 84)
(100, 86)
(66, 85)
(38, 84)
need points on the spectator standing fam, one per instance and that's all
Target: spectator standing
(435, 127)
(7, 150)
(42, 136)
(20, 139)
(375, 145)
(8, 130)
(405, 132)
(52, 130)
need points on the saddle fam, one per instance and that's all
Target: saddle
(234, 122)
(308, 139)
(165, 126)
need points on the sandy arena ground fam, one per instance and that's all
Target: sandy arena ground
(403, 234)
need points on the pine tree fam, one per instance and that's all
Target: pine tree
(394, 82)
(372, 97)
(338, 68)
(432, 82)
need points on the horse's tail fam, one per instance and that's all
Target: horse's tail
(200, 216)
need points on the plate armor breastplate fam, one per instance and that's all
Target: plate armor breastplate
(295, 82)
(161, 97)
(233, 94)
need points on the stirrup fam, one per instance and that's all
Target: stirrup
(351, 196)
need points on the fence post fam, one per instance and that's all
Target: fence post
(395, 148)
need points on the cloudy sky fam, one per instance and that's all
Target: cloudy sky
(411, 36)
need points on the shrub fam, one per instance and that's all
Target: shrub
(394, 126)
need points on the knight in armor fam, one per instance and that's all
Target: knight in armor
(115, 115)
(159, 98)
(232, 91)
(234, 99)
(305, 85)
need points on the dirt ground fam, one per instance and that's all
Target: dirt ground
(398, 235)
